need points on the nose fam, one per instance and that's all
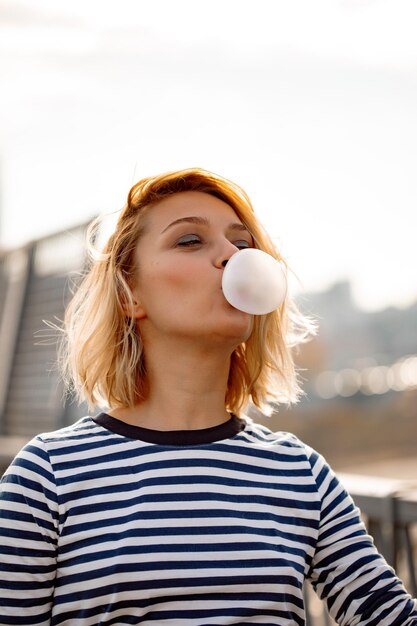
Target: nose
(227, 250)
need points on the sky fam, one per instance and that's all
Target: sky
(309, 105)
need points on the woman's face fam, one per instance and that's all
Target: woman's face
(188, 238)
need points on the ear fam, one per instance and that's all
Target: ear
(138, 311)
(134, 309)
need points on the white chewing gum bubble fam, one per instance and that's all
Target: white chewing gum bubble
(254, 282)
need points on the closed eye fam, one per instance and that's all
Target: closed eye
(192, 239)
(189, 240)
(242, 244)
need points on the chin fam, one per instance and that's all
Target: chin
(239, 330)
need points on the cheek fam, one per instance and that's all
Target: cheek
(175, 274)
(175, 282)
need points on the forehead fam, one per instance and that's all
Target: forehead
(188, 204)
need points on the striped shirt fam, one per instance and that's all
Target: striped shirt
(105, 523)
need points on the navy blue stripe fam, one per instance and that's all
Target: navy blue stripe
(158, 566)
(25, 553)
(18, 498)
(242, 548)
(131, 452)
(203, 514)
(199, 614)
(186, 599)
(26, 585)
(30, 465)
(399, 621)
(345, 525)
(348, 551)
(37, 569)
(372, 600)
(16, 533)
(189, 531)
(24, 620)
(135, 585)
(94, 508)
(85, 444)
(185, 480)
(17, 516)
(169, 464)
(30, 485)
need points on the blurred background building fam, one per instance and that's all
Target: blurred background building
(360, 380)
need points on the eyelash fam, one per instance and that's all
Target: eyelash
(191, 240)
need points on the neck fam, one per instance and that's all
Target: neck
(187, 390)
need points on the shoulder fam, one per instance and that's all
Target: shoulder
(82, 429)
(262, 435)
(285, 444)
(39, 452)
(286, 452)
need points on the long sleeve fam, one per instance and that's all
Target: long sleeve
(347, 571)
(28, 538)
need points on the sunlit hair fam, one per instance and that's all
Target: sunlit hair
(102, 354)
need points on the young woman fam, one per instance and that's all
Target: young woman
(172, 507)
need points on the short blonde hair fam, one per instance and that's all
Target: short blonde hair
(102, 353)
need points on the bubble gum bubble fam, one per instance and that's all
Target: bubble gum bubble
(254, 282)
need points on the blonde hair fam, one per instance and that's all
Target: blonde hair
(102, 354)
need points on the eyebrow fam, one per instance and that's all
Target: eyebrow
(203, 221)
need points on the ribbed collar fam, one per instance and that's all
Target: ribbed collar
(172, 437)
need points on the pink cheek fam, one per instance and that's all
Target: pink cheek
(182, 274)
(179, 275)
